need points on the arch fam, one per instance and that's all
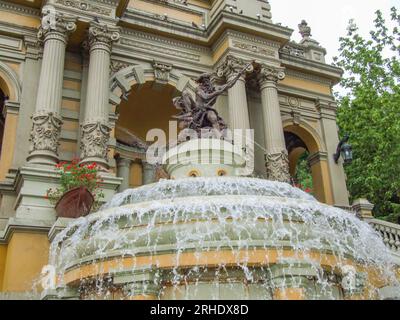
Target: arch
(317, 159)
(123, 80)
(130, 87)
(9, 83)
(306, 133)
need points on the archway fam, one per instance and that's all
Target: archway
(142, 98)
(308, 163)
(10, 93)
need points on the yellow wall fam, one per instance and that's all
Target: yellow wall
(3, 255)
(306, 85)
(19, 19)
(7, 151)
(135, 175)
(72, 105)
(220, 51)
(27, 253)
(68, 146)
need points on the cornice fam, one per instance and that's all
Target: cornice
(325, 70)
(13, 7)
(176, 4)
(134, 34)
(223, 21)
(24, 225)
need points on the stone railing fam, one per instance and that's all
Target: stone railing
(390, 233)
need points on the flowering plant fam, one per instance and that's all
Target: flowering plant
(75, 175)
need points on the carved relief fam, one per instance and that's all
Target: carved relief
(232, 66)
(277, 166)
(254, 48)
(45, 131)
(102, 33)
(116, 66)
(55, 21)
(85, 6)
(304, 29)
(268, 73)
(94, 141)
(164, 50)
(293, 50)
(161, 71)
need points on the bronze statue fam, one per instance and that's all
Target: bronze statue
(199, 114)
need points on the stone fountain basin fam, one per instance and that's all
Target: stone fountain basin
(212, 223)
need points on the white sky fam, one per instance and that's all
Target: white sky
(328, 19)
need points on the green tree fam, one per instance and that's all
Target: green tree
(370, 113)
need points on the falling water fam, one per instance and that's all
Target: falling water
(241, 217)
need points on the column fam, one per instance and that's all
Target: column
(123, 171)
(276, 157)
(47, 121)
(95, 125)
(149, 173)
(238, 108)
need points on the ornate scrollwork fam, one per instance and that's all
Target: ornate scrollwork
(304, 29)
(45, 132)
(102, 33)
(56, 22)
(161, 71)
(94, 141)
(277, 165)
(268, 73)
(232, 65)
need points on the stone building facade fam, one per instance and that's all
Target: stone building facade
(89, 78)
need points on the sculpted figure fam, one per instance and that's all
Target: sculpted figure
(199, 113)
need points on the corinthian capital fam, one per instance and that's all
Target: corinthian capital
(102, 34)
(56, 23)
(232, 66)
(268, 73)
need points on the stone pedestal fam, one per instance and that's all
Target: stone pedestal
(363, 209)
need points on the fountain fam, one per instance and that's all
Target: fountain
(210, 232)
(208, 236)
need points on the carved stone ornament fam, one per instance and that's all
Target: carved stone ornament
(56, 22)
(45, 132)
(161, 71)
(85, 6)
(304, 29)
(116, 66)
(268, 73)
(277, 165)
(232, 66)
(254, 48)
(94, 141)
(103, 33)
